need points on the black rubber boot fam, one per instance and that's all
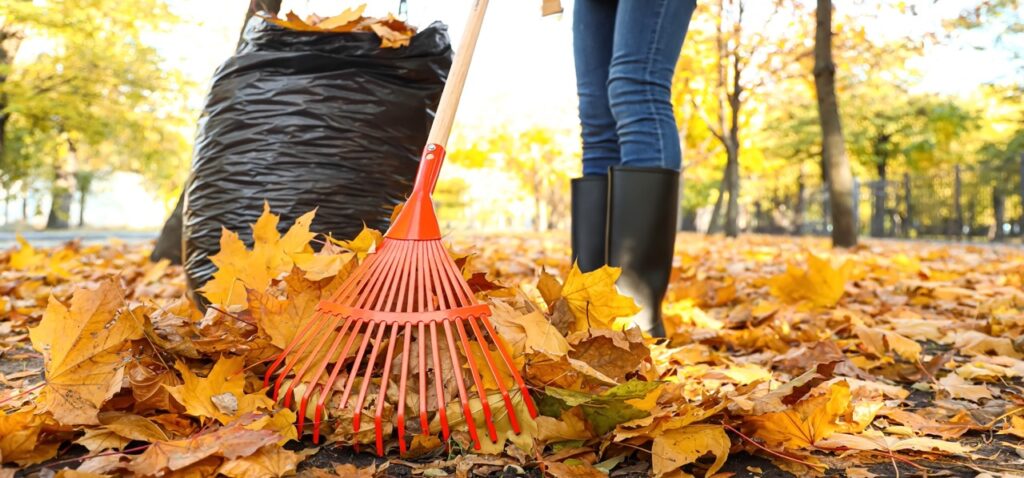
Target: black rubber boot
(589, 221)
(642, 207)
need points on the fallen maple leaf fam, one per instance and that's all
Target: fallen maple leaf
(873, 440)
(280, 318)
(682, 446)
(271, 257)
(84, 349)
(880, 342)
(927, 425)
(612, 353)
(1015, 427)
(820, 283)
(364, 244)
(229, 442)
(594, 300)
(221, 394)
(959, 388)
(271, 461)
(807, 422)
(20, 440)
(608, 409)
(99, 439)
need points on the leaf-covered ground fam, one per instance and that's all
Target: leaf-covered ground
(786, 358)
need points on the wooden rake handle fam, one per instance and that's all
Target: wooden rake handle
(445, 116)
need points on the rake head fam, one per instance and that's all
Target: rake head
(409, 291)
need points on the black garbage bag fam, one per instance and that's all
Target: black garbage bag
(310, 120)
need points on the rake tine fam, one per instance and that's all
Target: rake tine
(402, 382)
(420, 340)
(312, 356)
(373, 291)
(349, 381)
(474, 372)
(439, 382)
(316, 376)
(467, 413)
(485, 348)
(503, 350)
(318, 317)
(329, 384)
(385, 379)
(456, 284)
(360, 353)
(366, 380)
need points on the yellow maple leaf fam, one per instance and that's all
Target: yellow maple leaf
(221, 394)
(807, 422)
(957, 387)
(880, 341)
(19, 438)
(391, 38)
(84, 351)
(271, 257)
(364, 244)
(528, 427)
(269, 461)
(282, 422)
(99, 439)
(54, 264)
(1014, 427)
(343, 20)
(26, 257)
(280, 318)
(594, 300)
(490, 381)
(549, 287)
(820, 283)
(682, 446)
(227, 442)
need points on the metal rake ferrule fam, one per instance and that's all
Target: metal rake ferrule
(409, 289)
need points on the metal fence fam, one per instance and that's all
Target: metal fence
(961, 202)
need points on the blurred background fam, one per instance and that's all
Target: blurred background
(99, 101)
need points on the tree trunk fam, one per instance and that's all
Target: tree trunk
(717, 210)
(7, 206)
(840, 180)
(83, 181)
(1020, 193)
(958, 208)
(999, 211)
(9, 42)
(62, 191)
(256, 6)
(60, 208)
(800, 209)
(732, 172)
(908, 201)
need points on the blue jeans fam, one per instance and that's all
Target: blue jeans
(626, 52)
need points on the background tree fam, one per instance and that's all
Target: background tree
(94, 82)
(837, 167)
(734, 52)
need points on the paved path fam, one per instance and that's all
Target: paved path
(53, 238)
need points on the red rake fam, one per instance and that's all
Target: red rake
(409, 288)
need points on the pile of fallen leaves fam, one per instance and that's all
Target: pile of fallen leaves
(892, 356)
(393, 32)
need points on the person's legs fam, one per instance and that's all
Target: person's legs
(593, 33)
(648, 38)
(643, 190)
